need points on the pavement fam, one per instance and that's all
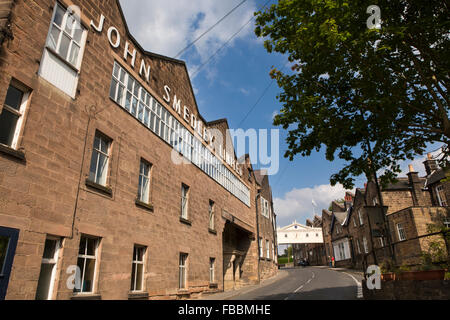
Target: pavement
(301, 283)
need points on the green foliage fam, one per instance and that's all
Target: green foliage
(361, 93)
(386, 266)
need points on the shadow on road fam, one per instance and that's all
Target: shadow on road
(334, 293)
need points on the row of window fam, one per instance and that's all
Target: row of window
(86, 271)
(130, 95)
(99, 168)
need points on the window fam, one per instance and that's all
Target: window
(265, 208)
(212, 267)
(144, 182)
(261, 252)
(87, 260)
(441, 196)
(4, 242)
(184, 201)
(8, 243)
(366, 248)
(381, 241)
(401, 232)
(48, 269)
(211, 215)
(11, 117)
(137, 268)
(267, 249)
(375, 201)
(358, 246)
(62, 56)
(183, 260)
(354, 222)
(100, 158)
(361, 221)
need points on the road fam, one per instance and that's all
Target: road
(309, 283)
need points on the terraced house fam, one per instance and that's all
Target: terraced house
(112, 184)
(360, 235)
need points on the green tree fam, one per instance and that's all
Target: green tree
(330, 208)
(378, 94)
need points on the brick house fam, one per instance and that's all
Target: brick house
(409, 207)
(112, 184)
(266, 226)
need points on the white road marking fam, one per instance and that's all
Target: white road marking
(301, 287)
(359, 291)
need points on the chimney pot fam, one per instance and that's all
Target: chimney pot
(411, 168)
(429, 156)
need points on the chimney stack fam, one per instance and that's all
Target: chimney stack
(416, 185)
(430, 164)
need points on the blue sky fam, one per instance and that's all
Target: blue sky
(230, 84)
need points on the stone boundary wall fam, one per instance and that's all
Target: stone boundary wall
(409, 290)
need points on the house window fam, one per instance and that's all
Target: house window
(137, 268)
(87, 260)
(441, 196)
(361, 221)
(401, 232)
(100, 157)
(182, 270)
(211, 215)
(212, 267)
(354, 222)
(48, 269)
(267, 249)
(144, 182)
(381, 240)
(11, 117)
(358, 246)
(62, 56)
(366, 248)
(261, 254)
(184, 201)
(265, 208)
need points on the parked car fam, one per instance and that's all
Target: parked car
(303, 263)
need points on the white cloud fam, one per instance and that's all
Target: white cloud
(297, 203)
(167, 26)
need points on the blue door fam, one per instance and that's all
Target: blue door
(8, 243)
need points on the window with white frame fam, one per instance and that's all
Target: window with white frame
(211, 215)
(261, 252)
(265, 208)
(144, 182)
(441, 196)
(100, 157)
(12, 115)
(47, 275)
(184, 201)
(361, 220)
(138, 268)
(64, 49)
(401, 232)
(182, 270)
(366, 247)
(267, 249)
(87, 261)
(212, 268)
